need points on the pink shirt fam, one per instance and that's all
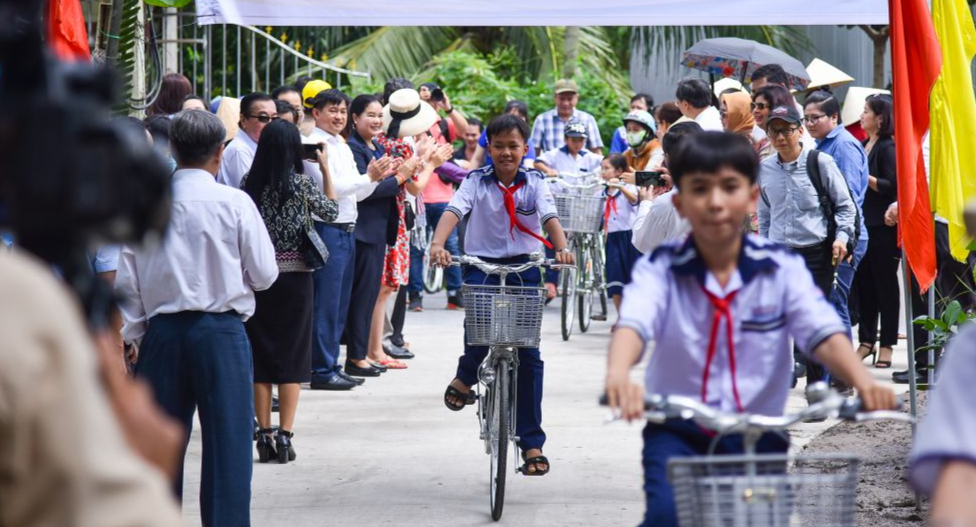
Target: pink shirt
(437, 191)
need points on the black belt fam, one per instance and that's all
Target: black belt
(345, 227)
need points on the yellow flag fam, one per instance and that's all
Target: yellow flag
(953, 120)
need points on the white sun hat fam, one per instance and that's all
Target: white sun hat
(723, 84)
(406, 115)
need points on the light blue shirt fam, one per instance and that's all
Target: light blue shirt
(776, 300)
(789, 209)
(851, 159)
(488, 233)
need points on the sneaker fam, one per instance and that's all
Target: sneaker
(454, 301)
(416, 304)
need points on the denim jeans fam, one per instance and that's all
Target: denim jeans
(333, 287)
(452, 275)
(845, 277)
(195, 360)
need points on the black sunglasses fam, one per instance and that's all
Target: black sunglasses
(263, 118)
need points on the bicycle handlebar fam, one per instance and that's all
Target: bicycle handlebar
(491, 268)
(828, 403)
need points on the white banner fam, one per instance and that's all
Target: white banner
(541, 12)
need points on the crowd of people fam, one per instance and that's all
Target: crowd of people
(301, 220)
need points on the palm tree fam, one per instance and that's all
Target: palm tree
(542, 52)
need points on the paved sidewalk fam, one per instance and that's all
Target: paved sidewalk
(390, 454)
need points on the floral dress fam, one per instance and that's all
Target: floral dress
(396, 264)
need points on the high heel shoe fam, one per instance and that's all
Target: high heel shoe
(882, 363)
(872, 352)
(265, 445)
(286, 452)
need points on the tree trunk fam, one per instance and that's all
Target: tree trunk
(879, 57)
(571, 51)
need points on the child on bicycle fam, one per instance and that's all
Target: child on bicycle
(507, 204)
(618, 217)
(721, 307)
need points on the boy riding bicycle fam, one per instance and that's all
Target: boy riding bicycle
(721, 307)
(507, 205)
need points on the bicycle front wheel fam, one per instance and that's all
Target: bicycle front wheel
(600, 275)
(498, 425)
(586, 284)
(567, 293)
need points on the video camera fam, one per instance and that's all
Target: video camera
(70, 178)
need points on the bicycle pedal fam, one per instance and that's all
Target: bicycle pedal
(598, 318)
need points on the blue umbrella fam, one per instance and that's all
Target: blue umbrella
(740, 58)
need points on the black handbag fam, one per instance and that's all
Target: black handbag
(409, 216)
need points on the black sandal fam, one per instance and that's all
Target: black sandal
(468, 398)
(538, 460)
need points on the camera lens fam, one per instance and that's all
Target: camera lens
(437, 95)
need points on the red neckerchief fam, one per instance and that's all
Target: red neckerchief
(611, 206)
(722, 310)
(509, 194)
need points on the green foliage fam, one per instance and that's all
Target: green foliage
(169, 3)
(945, 326)
(480, 86)
(125, 63)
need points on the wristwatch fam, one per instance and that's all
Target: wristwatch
(449, 110)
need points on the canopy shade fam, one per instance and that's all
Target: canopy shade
(541, 12)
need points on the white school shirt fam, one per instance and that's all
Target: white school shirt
(215, 254)
(657, 221)
(488, 233)
(237, 160)
(710, 120)
(349, 185)
(947, 432)
(622, 217)
(560, 160)
(775, 300)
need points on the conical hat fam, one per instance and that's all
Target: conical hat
(854, 103)
(823, 74)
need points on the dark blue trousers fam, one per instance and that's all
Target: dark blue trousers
(677, 439)
(333, 287)
(195, 360)
(528, 406)
(452, 275)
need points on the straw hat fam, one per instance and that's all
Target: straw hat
(229, 113)
(854, 103)
(406, 115)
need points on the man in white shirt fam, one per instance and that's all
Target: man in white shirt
(333, 283)
(184, 303)
(695, 101)
(257, 110)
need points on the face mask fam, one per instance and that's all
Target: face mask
(636, 138)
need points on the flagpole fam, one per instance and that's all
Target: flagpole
(910, 337)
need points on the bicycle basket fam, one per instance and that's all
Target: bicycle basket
(582, 214)
(764, 491)
(503, 316)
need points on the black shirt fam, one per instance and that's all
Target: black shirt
(882, 165)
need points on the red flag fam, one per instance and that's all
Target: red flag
(916, 60)
(66, 33)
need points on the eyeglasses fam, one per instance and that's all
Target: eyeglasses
(784, 132)
(263, 118)
(812, 119)
(760, 106)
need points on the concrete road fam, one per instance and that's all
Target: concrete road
(390, 454)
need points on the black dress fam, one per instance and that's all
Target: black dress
(281, 329)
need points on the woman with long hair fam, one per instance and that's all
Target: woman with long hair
(172, 94)
(281, 329)
(876, 279)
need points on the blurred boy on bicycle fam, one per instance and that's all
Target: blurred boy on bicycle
(507, 204)
(721, 307)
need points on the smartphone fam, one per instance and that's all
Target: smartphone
(311, 151)
(649, 179)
